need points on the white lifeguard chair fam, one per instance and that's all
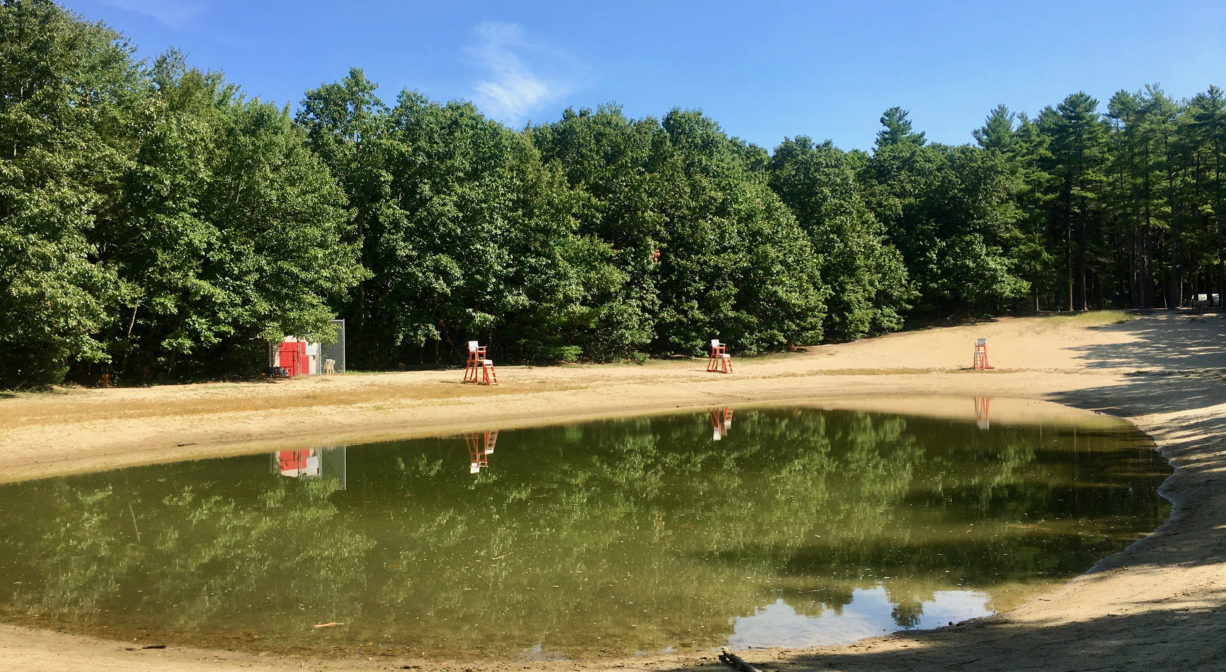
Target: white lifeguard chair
(720, 361)
(980, 360)
(478, 363)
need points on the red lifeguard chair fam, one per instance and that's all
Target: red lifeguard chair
(477, 363)
(980, 360)
(720, 361)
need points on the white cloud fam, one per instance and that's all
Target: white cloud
(520, 75)
(173, 13)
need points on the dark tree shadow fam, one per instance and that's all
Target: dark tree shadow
(1169, 341)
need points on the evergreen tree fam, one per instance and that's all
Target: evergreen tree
(896, 130)
(997, 134)
(1078, 157)
(950, 212)
(1207, 128)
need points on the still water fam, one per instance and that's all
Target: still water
(753, 527)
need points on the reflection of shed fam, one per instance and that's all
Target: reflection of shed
(298, 463)
(313, 463)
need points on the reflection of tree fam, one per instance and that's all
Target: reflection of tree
(286, 549)
(616, 535)
(87, 556)
(908, 597)
(212, 557)
(907, 612)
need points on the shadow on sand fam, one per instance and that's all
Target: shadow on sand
(1170, 341)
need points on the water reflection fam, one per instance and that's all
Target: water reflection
(981, 412)
(870, 612)
(721, 422)
(616, 536)
(328, 462)
(296, 463)
(480, 447)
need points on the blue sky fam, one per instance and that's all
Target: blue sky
(762, 70)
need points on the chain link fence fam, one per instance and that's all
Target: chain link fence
(334, 352)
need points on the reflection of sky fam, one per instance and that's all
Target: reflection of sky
(868, 615)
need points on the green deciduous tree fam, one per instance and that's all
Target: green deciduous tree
(736, 264)
(65, 90)
(153, 224)
(157, 224)
(229, 234)
(869, 288)
(463, 230)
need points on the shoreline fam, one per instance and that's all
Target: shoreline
(1162, 372)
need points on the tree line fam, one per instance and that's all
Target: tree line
(157, 224)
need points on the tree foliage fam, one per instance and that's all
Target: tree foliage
(156, 224)
(869, 287)
(65, 90)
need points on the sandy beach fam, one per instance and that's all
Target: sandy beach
(1157, 605)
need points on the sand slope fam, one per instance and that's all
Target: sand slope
(1158, 605)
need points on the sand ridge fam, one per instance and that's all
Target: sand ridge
(1151, 606)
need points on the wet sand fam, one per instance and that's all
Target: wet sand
(1154, 606)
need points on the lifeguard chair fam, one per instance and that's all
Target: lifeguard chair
(980, 360)
(478, 364)
(720, 361)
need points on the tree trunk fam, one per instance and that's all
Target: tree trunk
(1175, 289)
(1221, 264)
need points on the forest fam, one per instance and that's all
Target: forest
(158, 224)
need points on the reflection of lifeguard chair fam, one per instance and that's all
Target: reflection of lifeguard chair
(721, 423)
(480, 447)
(477, 362)
(980, 361)
(720, 361)
(981, 412)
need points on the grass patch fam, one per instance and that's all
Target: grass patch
(1092, 318)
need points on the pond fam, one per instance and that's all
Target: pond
(739, 527)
